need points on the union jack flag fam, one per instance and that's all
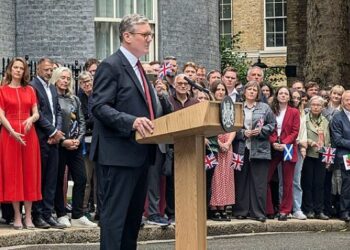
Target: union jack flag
(328, 155)
(164, 70)
(210, 161)
(237, 161)
(260, 123)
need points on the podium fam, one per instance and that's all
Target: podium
(186, 129)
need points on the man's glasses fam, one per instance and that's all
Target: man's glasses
(145, 35)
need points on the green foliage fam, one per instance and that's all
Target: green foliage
(230, 56)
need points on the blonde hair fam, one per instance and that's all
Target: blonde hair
(56, 76)
(337, 88)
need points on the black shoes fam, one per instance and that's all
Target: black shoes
(215, 216)
(282, 217)
(321, 216)
(39, 222)
(224, 216)
(271, 216)
(310, 215)
(345, 217)
(261, 219)
(54, 223)
(241, 217)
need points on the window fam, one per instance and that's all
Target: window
(108, 15)
(225, 9)
(275, 23)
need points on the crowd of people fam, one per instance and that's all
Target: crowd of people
(299, 120)
(293, 146)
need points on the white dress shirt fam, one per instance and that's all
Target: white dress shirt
(133, 61)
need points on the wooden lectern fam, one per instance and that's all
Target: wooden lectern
(186, 129)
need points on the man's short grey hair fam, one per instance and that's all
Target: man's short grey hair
(255, 67)
(179, 76)
(128, 23)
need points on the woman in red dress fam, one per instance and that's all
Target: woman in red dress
(222, 185)
(20, 176)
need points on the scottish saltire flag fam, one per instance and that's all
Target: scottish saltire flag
(164, 70)
(346, 159)
(288, 152)
(328, 155)
(210, 161)
(237, 161)
(260, 123)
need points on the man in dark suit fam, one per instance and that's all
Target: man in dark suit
(123, 102)
(340, 130)
(48, 130)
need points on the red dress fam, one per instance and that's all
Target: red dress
(20, 168)
(222, 186)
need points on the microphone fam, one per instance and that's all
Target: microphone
(196, 86)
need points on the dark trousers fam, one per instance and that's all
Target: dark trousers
(345, 190)
(286, 203)
(251, 187)
(99, 188)
(7, 212)
(49, 169)
(154, 175)
(74, 160)
(312, 183)
(125, 191)
(170, 195)
(327, 196)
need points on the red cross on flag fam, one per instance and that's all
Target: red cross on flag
(237, 161)
(210, 161)
(164, 70)
(328, 155)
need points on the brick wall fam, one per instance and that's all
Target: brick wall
(248, 17)
(7, 28)
(189, 30)
(60, 29)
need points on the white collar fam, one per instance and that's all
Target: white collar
(131, 58)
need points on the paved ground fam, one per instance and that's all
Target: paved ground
(263, 241)
(333, 229)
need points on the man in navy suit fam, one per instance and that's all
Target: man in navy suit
(48, 129)
(123, 102)
(340, 130)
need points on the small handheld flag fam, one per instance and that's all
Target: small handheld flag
(210, 161)
(237, 161)
(288, 152)
(260, 123)
(328, 155)
(164, 70)
(346, 159)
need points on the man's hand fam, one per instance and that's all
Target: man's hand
(56, 137)
(143, 125)
(70, 144)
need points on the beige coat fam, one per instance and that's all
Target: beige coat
(312, 135)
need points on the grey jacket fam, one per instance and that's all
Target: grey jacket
(72, 117)
(260, 145)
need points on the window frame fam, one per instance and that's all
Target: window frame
(153, 53)
(221, 20)
(276, 49)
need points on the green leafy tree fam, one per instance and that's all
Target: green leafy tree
(230, 56)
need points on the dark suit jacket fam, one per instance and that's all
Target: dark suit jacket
(290, 130)
(44, 125)
(340, 130)
(118, 99)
